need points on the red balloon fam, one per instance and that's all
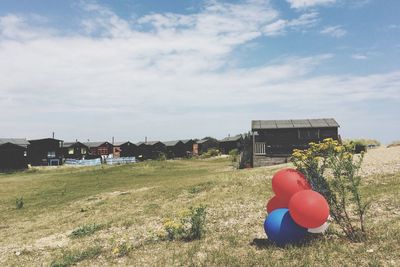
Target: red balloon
(287, 182)
(309, 209)
(276, 203)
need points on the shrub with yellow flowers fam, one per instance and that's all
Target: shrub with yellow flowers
(189, 224)
(332, 170)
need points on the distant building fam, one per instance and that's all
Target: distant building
(204, 145)
(100, 149)
(150, 150)
(45, 152)
(274, 140)
(175, 149)
(127, 149)
(229, 143)
(75, 150)
(13, 154)
(188, 146)
(116, 150)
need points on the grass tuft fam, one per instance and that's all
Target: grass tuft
(19, 203)
(86, 230)
(76, 256)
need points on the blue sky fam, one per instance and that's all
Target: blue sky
(185, 69)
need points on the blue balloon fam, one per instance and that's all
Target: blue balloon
(281, 229)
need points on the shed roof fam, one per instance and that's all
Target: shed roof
(185, 141)
(202, 141)
(43, 139)
(16, 141)
(122, 143)
(287, 124)
(94, 144)
(231, 138)
(69, 144)
(149, 143)
(172, 143)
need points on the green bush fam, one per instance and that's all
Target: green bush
(332, 170)
(162, 157)
(246, 158)
(234, 154)
(361, 145)
(189, 225)
(212, 152)
(197, 220)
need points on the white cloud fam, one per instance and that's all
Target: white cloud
(280, 26)
(172, 79)
(17, 27)
(276, 28)
(309, 3)
(393, 27)
(334, 31)
(359, 56)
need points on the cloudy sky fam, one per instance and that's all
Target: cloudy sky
(190, 68)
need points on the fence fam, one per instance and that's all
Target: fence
(123, 160)
(83, 162)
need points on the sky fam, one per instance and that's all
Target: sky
(170, 70)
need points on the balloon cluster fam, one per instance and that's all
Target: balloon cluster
(295, 209)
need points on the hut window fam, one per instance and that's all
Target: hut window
(83, 150)
(103, 151)
(70, 151)
(259, 148)
(51, 154)
(308, 134)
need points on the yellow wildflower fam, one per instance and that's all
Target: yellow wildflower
(115, 251)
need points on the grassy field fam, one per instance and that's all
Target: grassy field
(111, 216)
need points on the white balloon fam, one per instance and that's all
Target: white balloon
(320, 229)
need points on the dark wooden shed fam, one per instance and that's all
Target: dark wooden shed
(151, 150)
(75, 150)
(175, 149)
(275, 140)
(128, 149)
(45, 152)
(188, 146)
(13, 154)
(231, 142)
(204, 145)
(100, 149)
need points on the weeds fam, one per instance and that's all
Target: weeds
(162, 157)
(121, 249)
(332, 170)
(86, 230)
(73, 257)
(212, 152)
(190, 225)
(201, 187)
(19, 203)
(234, 154)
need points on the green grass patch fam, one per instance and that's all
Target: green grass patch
(73, 257)
(86, 230)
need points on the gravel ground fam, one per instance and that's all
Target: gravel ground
(381, 160)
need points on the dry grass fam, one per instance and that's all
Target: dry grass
(132, 201)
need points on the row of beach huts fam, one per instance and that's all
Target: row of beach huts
(17, 153)
(269, 142)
